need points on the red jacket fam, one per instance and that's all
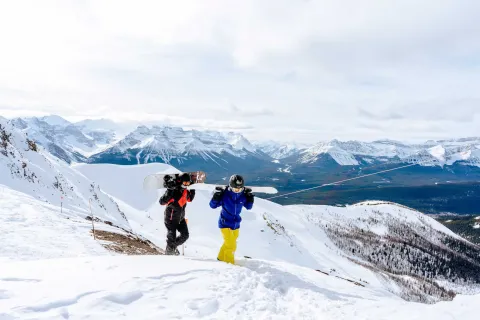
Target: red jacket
(176, 202)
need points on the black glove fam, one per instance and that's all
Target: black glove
(217, 196)
(249, 195)
(192, 194)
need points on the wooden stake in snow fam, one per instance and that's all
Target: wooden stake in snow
(93, 225)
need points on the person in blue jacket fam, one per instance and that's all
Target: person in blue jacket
(232, 199)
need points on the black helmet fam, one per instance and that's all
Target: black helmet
(236, 181)
(185, 177)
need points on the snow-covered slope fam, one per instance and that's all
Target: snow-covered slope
(291, 234)
(31, 229)
(45, 177)
(280, 282)
(287, 244)
(194, 286)
(448, 152)
(161, 287)
(394, 240)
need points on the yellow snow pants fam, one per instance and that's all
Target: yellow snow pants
(227, 251)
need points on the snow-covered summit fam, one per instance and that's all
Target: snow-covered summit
(278, 150)
(55, 120)
(239, 142)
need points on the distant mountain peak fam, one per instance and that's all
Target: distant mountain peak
(55, 120)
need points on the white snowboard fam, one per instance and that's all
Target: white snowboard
(155, 181)
(211, 187)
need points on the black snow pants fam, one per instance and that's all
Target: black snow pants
(172, 227)
(176, 202)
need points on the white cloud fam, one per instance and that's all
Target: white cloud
(307, 69)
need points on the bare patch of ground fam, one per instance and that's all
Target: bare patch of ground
(126, 243)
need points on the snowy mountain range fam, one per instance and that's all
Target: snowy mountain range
(351, 153)
(370, 258)
(70, 141)
(106, 141)
(173, 144)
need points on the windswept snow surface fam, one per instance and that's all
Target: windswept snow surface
(31, 229)
(164, 287)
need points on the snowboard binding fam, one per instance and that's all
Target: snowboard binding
(171, 181)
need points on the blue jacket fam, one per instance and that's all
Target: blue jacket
(232, 204)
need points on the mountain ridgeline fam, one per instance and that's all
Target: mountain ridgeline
(445, 179)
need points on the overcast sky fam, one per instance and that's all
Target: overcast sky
(278, 69)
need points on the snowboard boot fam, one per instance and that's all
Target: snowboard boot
(169, 251)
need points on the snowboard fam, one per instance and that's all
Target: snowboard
(212, 187)
(156, 180)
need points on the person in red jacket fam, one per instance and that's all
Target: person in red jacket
(175, 198)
